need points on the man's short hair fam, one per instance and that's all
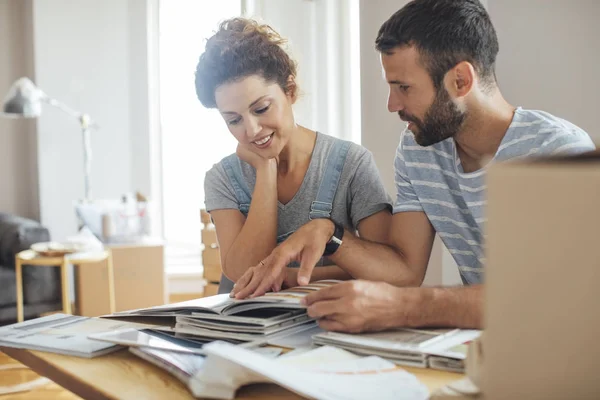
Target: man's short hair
(445, 33)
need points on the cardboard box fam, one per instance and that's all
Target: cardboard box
(205, 218)
(211, 261)
(212, 272)
(211, 289)
(209, 238)
(211, 257)
(139, 280)
(542, 313)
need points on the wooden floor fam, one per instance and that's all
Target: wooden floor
(19, 376)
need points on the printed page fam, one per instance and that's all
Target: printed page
(341, 378)
(61, 333)
(454, 346)
(211, 304)
(182, 366)
(398, 339)
(224, 305)
(287, 298)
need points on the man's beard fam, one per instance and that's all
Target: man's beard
(442, 120)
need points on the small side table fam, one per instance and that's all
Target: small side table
(30, 257)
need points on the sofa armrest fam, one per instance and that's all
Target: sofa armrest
(18, 234)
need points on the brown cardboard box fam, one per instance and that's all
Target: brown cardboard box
(212, 272)
(211, 261)
(211, 257)
(209, 238)
(139, 280)
(210, 289)
(542, 312)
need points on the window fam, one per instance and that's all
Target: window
(193, 138)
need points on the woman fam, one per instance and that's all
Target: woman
(282, 174)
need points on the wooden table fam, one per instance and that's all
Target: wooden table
(121, 375)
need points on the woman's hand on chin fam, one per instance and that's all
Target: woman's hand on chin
(246, 153)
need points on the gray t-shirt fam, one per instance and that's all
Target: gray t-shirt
(360, 191)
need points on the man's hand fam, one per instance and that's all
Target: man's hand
(359, 306)
(306, 246)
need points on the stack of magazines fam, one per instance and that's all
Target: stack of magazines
(443, 349)
(251, 320)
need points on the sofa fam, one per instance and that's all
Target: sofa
(41, 285)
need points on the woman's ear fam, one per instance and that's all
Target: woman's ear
(292, 89)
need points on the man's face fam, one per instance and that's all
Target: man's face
(432, 115)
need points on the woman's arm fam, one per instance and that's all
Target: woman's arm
(245, 241)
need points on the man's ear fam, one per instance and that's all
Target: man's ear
(461, 79)
(292, 89)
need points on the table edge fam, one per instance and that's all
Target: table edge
(61, 377)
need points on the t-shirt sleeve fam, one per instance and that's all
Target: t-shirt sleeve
(567, 141)
(406, 198)
(218, 192)
(368, 194)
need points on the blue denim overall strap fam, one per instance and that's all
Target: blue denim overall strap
(322, 206)
(233, 169)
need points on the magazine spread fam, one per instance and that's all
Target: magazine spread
(63, 334)
(223, 318)
(324, 373)
(184, 366)
(443, 349)
(181, 365)
(223, 305)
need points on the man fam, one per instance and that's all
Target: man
(438, 58)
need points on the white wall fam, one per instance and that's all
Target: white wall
(92, 56)
(550, 57)
(18, 147)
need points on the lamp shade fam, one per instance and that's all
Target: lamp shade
(23, 99)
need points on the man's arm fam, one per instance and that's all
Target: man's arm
(457, 307)
(359, 306)
(399, 257)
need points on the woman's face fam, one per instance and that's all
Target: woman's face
(258, 113)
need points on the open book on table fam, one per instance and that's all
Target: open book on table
(444, 349)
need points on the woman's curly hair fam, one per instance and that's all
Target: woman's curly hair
(241, 48)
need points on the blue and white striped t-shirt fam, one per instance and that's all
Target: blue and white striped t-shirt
(431, 179)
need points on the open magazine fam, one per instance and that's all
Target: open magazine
(323, 373)
(62, 334)
(222, 307)
(444, 349)
(248, 320)
(184, 366)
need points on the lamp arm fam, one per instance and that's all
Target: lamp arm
(86, 124)
(62, 106)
